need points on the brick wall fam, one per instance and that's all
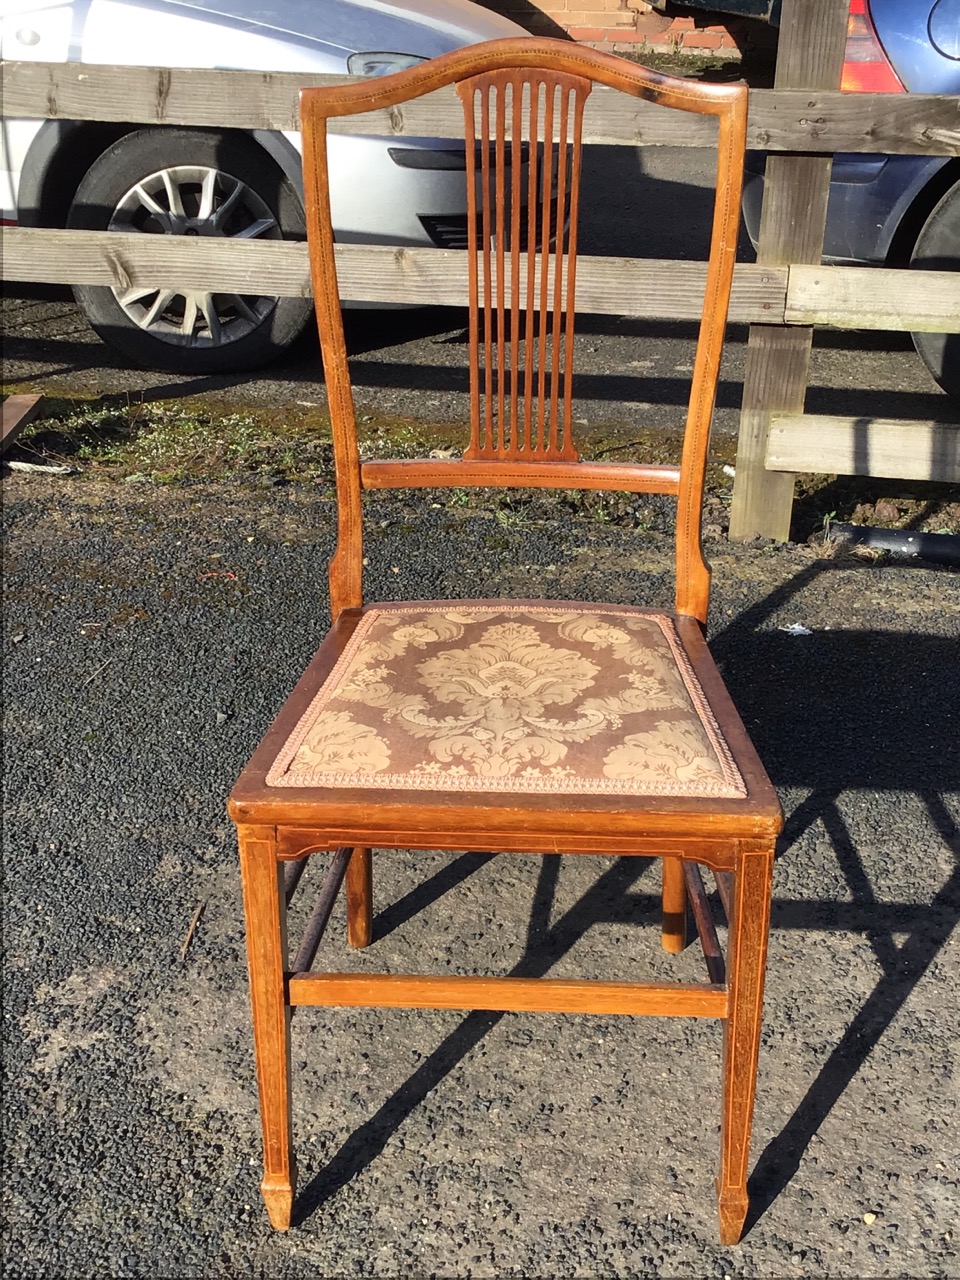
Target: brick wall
(619, 26)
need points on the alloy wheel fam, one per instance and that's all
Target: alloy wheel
(194, 200)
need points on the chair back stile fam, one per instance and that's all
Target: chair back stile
(346, 564)
(523, 125)
(693, 571)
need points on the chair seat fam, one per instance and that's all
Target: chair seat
(533, 711)
(465, 697)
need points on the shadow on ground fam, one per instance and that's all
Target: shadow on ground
(891, 727)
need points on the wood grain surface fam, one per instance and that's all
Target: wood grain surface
(781, 119)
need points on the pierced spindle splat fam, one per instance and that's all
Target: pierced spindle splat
(523, 132)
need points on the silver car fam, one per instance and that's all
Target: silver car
(222, 182)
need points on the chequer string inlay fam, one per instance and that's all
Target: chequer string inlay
(464, 697)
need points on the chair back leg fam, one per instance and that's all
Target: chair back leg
(360, 898)
(674, 905)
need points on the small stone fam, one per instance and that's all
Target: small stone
(886, 510)
(869, 1219)
(20, 635)
(221, 717)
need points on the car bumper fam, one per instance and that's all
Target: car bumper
(869, 196)
(414, 192)
(376, 200)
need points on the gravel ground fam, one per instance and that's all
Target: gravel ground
(150, 632)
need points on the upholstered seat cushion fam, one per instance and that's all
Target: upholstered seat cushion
(598, 700)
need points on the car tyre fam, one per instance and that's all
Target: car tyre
(201, 183)
(938, 249)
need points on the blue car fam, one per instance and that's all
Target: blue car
(894, 210)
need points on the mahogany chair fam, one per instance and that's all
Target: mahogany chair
(514, 726)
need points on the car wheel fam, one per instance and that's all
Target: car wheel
(201, 183)
(938, 249)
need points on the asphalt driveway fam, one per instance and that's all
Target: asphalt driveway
(150, 632)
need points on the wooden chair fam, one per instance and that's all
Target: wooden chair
(514, 726)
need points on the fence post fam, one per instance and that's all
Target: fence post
(809, 56)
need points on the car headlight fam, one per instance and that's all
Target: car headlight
(381, 64)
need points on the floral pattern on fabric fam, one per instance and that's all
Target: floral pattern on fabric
(338, 743)
(593, 701)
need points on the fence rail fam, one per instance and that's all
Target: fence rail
(810, 55)
(780, 119)
(871, 298)
(865, 447)
(656, 289)
(781, 297)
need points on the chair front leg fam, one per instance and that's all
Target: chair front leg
(674, 905)
(360, 898)
(746, 966)
(264, 905)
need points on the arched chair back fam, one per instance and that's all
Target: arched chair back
(523, 109)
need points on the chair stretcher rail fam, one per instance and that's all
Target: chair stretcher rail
(321, 912)
(625, 477)
(536, 995)
(724, 881)
(292, 875)
(706, 929)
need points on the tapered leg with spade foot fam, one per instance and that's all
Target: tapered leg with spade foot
(264, 907)
(746, 962)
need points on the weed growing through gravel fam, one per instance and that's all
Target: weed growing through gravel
(165, 444)
(169, 443)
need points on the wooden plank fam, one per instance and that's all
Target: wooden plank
(17, 412)
(652, 288)
(40, 254)
(787, 118)
(776, 371)
(847, 297)
(528, 995)
(810, 55)
(865, 447)
(868, 298)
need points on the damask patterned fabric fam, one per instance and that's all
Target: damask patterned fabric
(464, 697)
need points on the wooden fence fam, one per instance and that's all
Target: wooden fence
(802, 120)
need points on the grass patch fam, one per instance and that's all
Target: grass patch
(166, 443)
(755, 67)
